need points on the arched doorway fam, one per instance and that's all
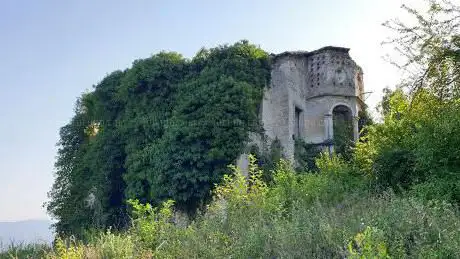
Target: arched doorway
(342, 118)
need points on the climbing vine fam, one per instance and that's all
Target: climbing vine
(268, 155)
(305, 155)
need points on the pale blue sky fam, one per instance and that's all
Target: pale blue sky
(52, 51)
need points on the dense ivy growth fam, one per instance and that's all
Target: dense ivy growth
(166, 128)
(305, 155)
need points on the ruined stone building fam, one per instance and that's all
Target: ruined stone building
(307, 93)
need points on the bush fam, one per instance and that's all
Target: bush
(67, 249)
(151, 223)
(305, 155)
(267, 157)
(417, 144)
(395, 168)
(445, 188)
(368, 244)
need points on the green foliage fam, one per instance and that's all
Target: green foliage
(331, 184)
(427, 47)
(364, 120)
(416, 144)
(151, 223)
(239, 191)
(111, 246)
(67, 250)
(445, 187)
(395, 168)
(328, 214)
(166, 128)
(368, 244)
(305, 155)
(343, 138)
(24, 251)
(268, 158)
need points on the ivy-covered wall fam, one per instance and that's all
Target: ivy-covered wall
(166, 128)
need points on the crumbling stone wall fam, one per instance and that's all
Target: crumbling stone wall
(304, 89)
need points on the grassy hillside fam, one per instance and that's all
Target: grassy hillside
(334, 213)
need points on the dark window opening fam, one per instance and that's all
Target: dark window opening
(297, 122)
(343, 130)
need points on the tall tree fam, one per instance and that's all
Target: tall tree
(428, 47)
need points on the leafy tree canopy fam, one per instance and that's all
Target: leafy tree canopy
(416, 146)
(428, 47)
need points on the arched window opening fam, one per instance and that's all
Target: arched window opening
(343, 130)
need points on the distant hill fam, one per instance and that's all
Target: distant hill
(25, 232)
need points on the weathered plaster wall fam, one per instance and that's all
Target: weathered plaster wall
(316, 110)
(275, 108)
(331, 72)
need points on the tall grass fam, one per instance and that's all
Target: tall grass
(331, 214)
(24, 250)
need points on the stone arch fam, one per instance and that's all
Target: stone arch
(331, 111)
(342, 114)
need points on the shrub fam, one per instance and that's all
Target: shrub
(417, 143)
(267, 157)
(151, 223)
(67, 249)
(445, 188)
(368, 244)
(305, 155)
(395, 168)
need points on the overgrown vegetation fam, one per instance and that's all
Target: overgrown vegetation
(164, 129)
(416, 147)
(305, 155)
(331, 214)
(395, 194)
